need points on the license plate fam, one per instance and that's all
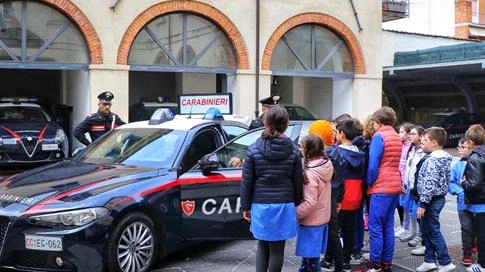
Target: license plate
(48, 147)
(43, 243)
(10, 141)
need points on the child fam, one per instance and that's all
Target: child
(432, 186)
(465, 216)
(348, 162)
(384, 182)
(314, 211)
(402, 231)
(271, 187)
(413, 156)
(474, 186)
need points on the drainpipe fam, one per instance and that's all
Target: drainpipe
(256, 102)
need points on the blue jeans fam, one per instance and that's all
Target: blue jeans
(432, 238)
(310, 265)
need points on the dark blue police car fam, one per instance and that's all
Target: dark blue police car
(132, 196)
(29, 135)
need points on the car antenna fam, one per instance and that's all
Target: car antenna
(190, 112)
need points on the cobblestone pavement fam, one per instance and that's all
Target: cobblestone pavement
(240, 255)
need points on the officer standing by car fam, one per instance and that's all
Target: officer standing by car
(266, 103)
(100, 122)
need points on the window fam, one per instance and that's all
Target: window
(182, 39)
(49, 35)
(312, 48)
(203, 143)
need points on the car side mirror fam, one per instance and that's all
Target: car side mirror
(209, 163)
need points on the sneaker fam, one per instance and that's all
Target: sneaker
(366, 247)
(386, 267)
(346, 267)
(326, 266)
(403, 234)
(474, 250)
(447, 268)
(356, 259)
(425, 267)
(419, 251)
(366, 256)
(416, 241)
(373, 267)
(398, 231)
(475, 268)
(467, 258)
(407, 238)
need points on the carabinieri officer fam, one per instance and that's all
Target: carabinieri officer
(100, 122)
(266, 103)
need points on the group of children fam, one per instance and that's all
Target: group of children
(426, 176)
(348, 167)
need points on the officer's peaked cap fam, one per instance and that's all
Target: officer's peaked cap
(272, 100)
(105, 97)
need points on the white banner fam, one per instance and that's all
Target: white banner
(199, 104)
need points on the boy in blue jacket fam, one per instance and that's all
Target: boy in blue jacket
(465, 216)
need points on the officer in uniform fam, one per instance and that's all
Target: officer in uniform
(98, 123)
(266, 103)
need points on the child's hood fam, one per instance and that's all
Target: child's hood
(442, 156)
(352, 155)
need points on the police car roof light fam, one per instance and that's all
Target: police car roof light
(213, 114)
(17, 100)
(160, 115)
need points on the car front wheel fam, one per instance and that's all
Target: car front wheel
(133, 244)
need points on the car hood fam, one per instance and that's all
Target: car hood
(34, 130)
(66, 181)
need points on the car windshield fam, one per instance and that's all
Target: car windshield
(147, 147)
(21, 114)
(435, 119)
(300, 113)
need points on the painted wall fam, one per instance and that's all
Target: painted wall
(111, 24)
(433, 17)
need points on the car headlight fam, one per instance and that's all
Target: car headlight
(60, 136)
(69, 219)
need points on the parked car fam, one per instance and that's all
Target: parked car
(134, 194)
(454, 122)
(29, 135)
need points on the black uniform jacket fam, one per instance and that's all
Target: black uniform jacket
(256, 123)
(96, 124)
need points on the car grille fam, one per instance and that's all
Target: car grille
(29, 145)
(29, 259)
(4, 222)
(24, 157)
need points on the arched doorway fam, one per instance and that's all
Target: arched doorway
(179, 53)
(44, 54)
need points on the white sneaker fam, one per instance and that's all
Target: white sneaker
(447, 268)
(366, 247)
(366, 256)
(398, 231)
(425, 267)
(416, 241)
(419, 251)
(475, 268)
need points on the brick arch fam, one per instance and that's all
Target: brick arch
(77, 16)
(188, 6)
(321, 19)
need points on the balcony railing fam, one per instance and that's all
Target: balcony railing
(394, 9)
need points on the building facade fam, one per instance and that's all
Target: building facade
(324, 55)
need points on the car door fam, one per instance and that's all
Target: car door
(210, 201)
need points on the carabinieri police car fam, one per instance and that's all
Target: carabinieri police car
(28, 134)
(136, 194)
